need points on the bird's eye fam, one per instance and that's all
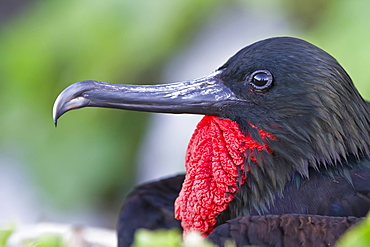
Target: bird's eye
(261, 79)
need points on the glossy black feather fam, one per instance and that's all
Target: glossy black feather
(149, 206)
(283, 230)
(323, 194)
(327, 198)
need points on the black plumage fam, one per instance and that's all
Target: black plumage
(149, 206)
(283, 230)
(317, 160)
(326, 198)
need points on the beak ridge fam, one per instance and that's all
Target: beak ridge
(199, 96)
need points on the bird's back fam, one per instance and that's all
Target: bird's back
(325, 205)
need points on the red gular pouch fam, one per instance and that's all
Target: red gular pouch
(214, 159)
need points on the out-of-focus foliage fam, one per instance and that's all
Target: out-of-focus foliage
(143, 238)
(165, 238)
(341, 28)
(4, 235)
(306, 14)
(56, 235)
(55, 43)
(170, 238)
(358, 236)
(48, 240)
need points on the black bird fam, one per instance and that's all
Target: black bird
(286, 133)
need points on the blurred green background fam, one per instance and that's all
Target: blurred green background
(88, 164)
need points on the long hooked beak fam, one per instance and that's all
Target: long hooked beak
(201, 96)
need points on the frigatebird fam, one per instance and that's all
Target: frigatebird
(285, 135)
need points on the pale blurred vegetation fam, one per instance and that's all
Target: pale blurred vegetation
(47, 45)
(90, 158)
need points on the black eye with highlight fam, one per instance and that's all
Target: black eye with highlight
(260, 79)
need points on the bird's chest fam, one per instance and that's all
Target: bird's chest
(215, 170)
(323, 194)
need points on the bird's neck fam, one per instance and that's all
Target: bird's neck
(215, 169)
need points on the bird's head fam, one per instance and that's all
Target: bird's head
(277, 108)
(301, 95)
